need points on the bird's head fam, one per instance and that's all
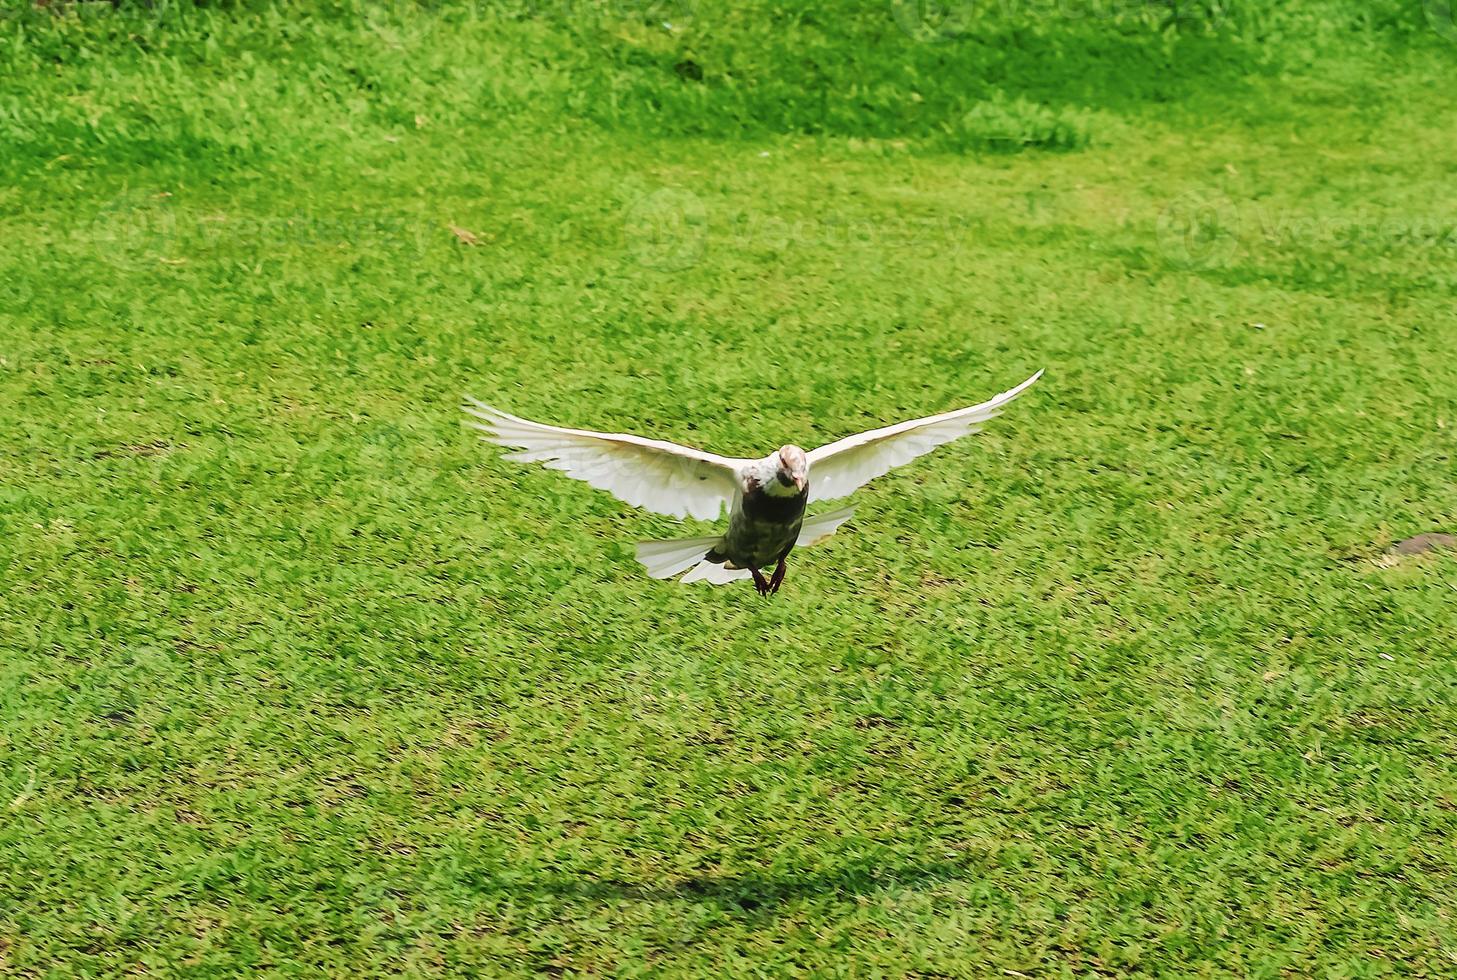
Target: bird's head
(791, 470)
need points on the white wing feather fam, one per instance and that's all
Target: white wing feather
(842, 467)
(816, 529)
(658, 476)
(665, 559)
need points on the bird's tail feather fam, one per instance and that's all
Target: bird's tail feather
(714, 573)
(664, 559)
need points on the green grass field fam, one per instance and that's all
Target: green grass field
(299, 677)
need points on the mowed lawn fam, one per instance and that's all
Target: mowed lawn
(299, 677)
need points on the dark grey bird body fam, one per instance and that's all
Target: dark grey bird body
(762, 529)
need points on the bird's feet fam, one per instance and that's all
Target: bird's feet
(778, 578)
(761, 584)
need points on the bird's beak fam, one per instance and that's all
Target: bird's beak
(800, 483)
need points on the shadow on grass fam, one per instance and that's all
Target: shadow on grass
(752, 892)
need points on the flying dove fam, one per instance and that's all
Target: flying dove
(766, 498)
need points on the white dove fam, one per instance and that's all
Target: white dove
(766, 498)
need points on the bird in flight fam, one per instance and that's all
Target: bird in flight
(766, 498)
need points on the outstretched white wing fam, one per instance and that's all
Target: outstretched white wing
(842, 467)
(659, 476)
